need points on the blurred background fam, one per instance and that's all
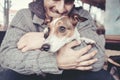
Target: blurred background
(8, 9)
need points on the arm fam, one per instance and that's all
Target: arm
(69, 58)
(88, 29)
(31, 61)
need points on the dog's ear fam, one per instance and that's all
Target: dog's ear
(77, 18)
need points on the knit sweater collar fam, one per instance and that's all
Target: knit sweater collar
(38, 9)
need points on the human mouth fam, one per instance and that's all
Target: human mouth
(54, 11)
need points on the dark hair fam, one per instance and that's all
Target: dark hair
(37, 0)
(69, 1)
(66, 1)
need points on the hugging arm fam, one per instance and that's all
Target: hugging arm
(29, 62)
(88, 29)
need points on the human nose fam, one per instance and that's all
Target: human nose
(61, 7)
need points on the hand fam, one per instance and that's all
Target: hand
(31, 41)
(68, 58)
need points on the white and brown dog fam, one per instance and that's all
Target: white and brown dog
(61, 31)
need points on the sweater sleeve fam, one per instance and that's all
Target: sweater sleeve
(30, 62)
(88, 29)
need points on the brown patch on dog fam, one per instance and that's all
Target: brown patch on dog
(64, 28)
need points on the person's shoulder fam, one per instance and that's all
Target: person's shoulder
(82, 12)
(21, 15)
(24, 11)
(78, 8)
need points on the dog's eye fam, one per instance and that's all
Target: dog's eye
(62, 29)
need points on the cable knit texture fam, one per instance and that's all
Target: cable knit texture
(31, 61)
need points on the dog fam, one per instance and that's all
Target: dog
(61, 31)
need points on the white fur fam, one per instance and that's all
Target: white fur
(56, 43)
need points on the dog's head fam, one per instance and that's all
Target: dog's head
(61, 31)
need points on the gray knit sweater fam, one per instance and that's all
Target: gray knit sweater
(39, 62)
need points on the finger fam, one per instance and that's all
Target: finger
(87, 56)
(20, 45)
(84, 50)
(87, 63)
(25, 49)
(20, 41)
(84, 68)
(73, 43)
(67, 67)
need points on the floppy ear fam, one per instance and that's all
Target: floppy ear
(77, 18)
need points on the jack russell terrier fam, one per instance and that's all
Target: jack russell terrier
(61, 31)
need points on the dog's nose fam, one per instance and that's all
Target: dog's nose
(45, 47)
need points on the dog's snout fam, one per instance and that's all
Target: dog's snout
(45, 47)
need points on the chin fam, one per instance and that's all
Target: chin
(54, 15)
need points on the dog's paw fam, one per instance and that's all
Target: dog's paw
(88, 41)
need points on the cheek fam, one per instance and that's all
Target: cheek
(47, 4)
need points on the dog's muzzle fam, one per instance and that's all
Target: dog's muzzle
(45, 47)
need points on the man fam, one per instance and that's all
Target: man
(20, 50)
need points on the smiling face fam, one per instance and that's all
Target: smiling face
(58, 8)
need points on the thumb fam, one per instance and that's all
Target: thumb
(73, 43)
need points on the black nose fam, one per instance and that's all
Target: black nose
(45, 47)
